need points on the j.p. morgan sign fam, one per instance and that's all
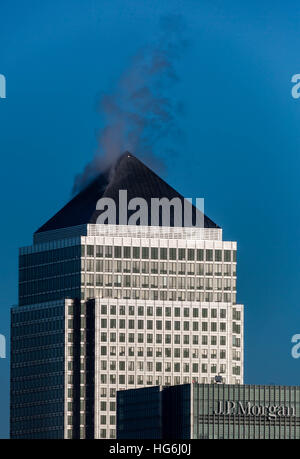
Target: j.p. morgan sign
(250, 409)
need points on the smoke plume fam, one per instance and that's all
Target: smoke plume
(141, 112)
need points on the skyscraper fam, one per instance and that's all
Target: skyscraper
(106, 307)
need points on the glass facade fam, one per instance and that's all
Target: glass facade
(246, 411)
(211, 411)
(147, 413)
(141, 410)
(49, 275)
(37, 371)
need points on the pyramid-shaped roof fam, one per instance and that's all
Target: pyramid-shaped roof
(128, 173)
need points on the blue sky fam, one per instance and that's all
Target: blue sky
(240, 149)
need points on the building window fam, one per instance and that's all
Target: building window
(149, 311)
(204, 326)
(118, 252)
(168, 325)
(186, 339)
(149, 338)
(172, 254)
(218, 255)
(167, 366)
(158, 366)
(236, 370)
(121, 337)
(168, 339)
(136, 252)
(149, 351)
(113, 350)
(145, 253)
(227, 255)
(213, 326)
(108, 251)
(154, 253)
(126, 252)
(181, 254)
(223, 313)
(186, 353)
(195, 339)
(163, 253)
(222, 368)
(209, 255)
(223, 354)
(223, 326)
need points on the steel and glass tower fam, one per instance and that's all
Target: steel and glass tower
(106, 307)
